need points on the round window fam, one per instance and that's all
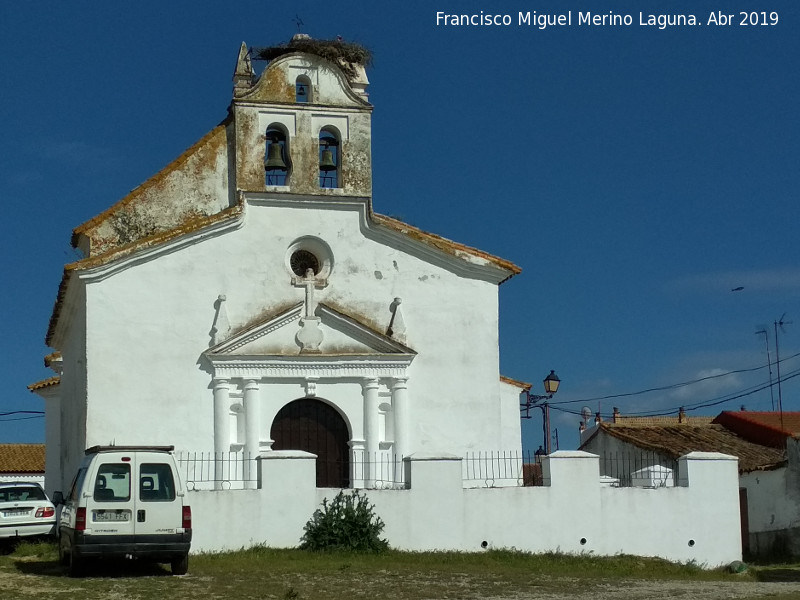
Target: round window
(309, 253)
(303, 260)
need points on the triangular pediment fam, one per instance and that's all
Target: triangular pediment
(276, 335)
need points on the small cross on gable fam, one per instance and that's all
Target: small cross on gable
(310, 282)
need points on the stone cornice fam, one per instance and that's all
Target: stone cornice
(318, 366)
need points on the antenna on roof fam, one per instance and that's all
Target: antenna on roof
(779, 323)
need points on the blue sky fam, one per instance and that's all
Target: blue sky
(636, 174)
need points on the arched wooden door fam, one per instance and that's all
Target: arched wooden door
(314, 426)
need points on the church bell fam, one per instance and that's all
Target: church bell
(326, 162)
(274, 160)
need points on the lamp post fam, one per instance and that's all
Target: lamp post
(551, 383)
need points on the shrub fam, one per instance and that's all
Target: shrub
(348, 523)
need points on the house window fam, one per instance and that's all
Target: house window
(302, 90)
(329, 158)
(277, 166)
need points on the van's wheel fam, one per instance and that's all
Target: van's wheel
(180, 565)
(76, 565)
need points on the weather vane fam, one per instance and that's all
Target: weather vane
(298, 21)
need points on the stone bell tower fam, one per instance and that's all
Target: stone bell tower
(303, 126)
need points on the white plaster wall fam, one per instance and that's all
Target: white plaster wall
(771, 504)
(70, 442)
(273, 515)
(150, 323)
(574, 514)
(52, 450)
(508, 412)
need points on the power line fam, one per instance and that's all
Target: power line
(22, 418)
(697, 405)
(671, 386)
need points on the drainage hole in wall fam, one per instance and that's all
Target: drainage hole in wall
(583, 541)
(691, 543)
(484, 544)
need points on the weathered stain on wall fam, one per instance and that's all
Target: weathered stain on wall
(192, 186)
(274, 87)
(250, 145)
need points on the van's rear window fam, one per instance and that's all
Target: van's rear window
(156, 483)
(113, 483)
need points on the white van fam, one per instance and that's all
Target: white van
(125, 501)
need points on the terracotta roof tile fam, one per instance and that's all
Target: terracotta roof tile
(769, 428)
(157, 239)
(622, 421)
(21, 458)
(515, 382)
(678, 439)
(445, 245)
(44, 383)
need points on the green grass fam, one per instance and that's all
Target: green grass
(262, 573)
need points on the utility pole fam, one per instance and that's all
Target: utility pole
(769, 365)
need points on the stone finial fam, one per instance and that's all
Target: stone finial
(221, 327)
(397, 326)
(244, 76)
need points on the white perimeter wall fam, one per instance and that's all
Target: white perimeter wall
(698, 520)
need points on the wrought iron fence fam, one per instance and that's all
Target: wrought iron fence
(226, 470)
(363, 470)
(378, 471)
(500, 469)
(638, 469)
(238, 470)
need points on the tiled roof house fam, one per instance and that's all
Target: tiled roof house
(22, 461)
(764, 443)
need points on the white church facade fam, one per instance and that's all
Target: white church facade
(248, 299)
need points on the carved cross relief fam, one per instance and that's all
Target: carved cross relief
(310, 335)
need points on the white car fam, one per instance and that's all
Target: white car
(25, 511)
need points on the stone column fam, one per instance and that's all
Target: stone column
(371, 428)
(252, 429)
(222, 429)
(400, 408)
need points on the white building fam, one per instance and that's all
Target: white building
(247, 298)
(247, 304)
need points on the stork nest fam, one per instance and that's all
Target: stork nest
(343, 54)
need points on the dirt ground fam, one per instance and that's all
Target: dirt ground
(685, 590)
(32, 578)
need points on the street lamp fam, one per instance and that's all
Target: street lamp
(551, 383)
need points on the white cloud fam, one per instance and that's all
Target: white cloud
(710, 383)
